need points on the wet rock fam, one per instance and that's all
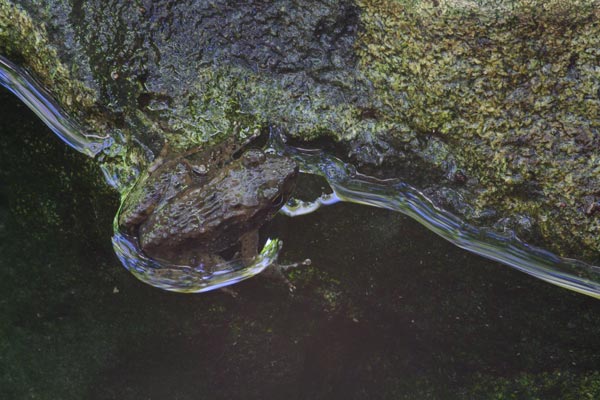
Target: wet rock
(505, 92)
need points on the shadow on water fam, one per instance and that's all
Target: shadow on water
(387, 309)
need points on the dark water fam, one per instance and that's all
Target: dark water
(387, 310)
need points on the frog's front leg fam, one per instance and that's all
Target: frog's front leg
(249, 245)
(275, 271)
(249, 248)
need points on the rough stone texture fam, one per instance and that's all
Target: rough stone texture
(499, 100)
(508, 96)
(28, 41)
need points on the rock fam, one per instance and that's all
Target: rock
(505, 92)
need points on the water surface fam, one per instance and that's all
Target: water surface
(387, 309)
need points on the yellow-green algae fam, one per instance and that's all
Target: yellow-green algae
(511, 88)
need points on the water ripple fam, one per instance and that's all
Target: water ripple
(347, 185)
(179, 278)
(185, 278)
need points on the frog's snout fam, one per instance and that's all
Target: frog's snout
(253, 158)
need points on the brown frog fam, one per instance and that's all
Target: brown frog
(188, 209)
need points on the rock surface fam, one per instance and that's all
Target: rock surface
(498, 100)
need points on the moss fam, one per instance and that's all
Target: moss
(27, 40)
(510, 89)
(505, 92)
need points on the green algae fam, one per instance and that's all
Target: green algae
(308, 347)
(27, 41)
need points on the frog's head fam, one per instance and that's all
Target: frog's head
(270, 179)
(250, 190)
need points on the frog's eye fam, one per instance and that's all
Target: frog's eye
(277, 201)
(253, 158)
(200, 169)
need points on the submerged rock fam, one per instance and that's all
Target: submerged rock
(500, 100)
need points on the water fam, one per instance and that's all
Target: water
(24, 86)
(402, 315)
(347, 185)
(189, 279)
(179, 278)
(395, 195)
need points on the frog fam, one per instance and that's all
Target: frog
(190, 208)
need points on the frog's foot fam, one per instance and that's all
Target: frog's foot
(295, 207)
(276, 272)
(231, 292)
(285, 267)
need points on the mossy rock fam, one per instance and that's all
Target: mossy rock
(500, 100)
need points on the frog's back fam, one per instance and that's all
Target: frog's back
(153, 189)
(238, 199)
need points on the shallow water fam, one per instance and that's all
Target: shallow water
(387, 309)
(347, 185)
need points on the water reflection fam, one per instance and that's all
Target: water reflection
(185, 278)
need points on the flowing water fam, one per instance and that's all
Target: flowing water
(395, 195)
(387, 309)
(347, 185)
(24, 86)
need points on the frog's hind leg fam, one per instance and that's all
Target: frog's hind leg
(276, 272)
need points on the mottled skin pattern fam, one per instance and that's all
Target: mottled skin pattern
(188, 209)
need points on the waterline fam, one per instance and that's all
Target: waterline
(22, 84)
(392, 194)
(347, 185)
(164, 275)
